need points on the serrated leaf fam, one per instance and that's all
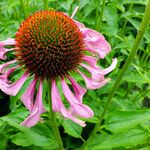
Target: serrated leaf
(118, 121)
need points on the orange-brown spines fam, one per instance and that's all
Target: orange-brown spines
(49, 44)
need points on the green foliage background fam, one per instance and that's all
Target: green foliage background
(127, 122)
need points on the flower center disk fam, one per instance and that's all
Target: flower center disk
(49, 44)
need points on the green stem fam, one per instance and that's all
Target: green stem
(52, 118)
(45, 2)
(126, 21)
(24, 8)
(100, 18)
(143, 26)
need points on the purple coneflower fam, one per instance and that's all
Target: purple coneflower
(49, 45)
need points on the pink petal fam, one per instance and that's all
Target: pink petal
(3, 51)
(13, 89)
(76, 106)
(110, 68)
(6, 74)
(36, 111)
(98, 73)
(28, 97)
(74, 12)
(79, 91)
(58, 106)
(79, 24)
(98, 46)
(92, 83)
(9, 41)
(89, 33)
(92, 61)
(95, 42)
(2, 66)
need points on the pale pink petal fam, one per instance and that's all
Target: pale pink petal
(13, 89)
(3, 52)
(36, 110)
(98, 46)
(93, 84)
(79, 24)
(28, 97)
(79, 91)
(58, 106)
(32, 119)
(6, 74)
(74, 12)
(9, 41)
(3, 66)
(89, 33)
(98, 73)
(92, 61)
(76, 107)
(95, 42)
(110, 68)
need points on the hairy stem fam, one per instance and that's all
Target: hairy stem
(144, 24)
(52, 118)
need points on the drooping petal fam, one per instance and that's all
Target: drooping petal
(6, 74)
(95, 42)
(28, 97)
(110, 68)
(3, 51)
(98, 73)
(94, 84)
(79, 91)
(36, 110)
(76, 106)
(74, 12)
(79, 24)
(98, 46)
(3, 66)
(9, 41)
(92, 61)
(89, 33)
(58, 106)
(13, 89)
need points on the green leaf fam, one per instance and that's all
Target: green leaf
(72, 129)
(118, 121)
(83, 3)
(134, 77)
(3, 142)
(21, 139)
(127, 139)
(38, 135)
(144, 2)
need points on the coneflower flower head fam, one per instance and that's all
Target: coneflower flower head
(49, 45)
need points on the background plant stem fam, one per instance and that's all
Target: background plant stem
(24, 7)
(45, 2)
(100, 18)
(52, 118)
(144, 24)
